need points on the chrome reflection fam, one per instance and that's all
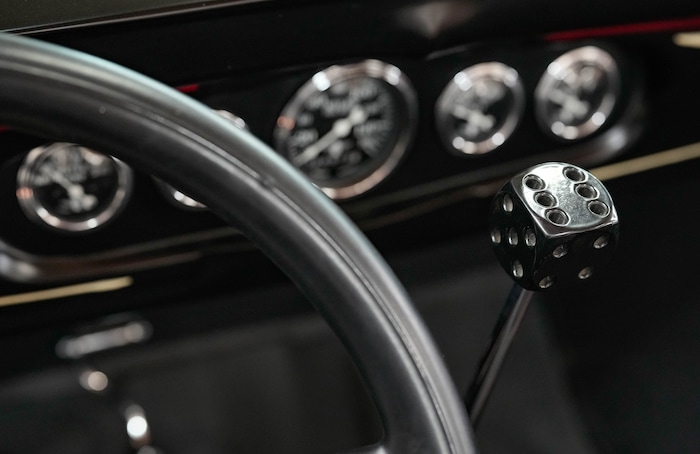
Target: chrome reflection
(94, 381)
(134, 332)
(136, 425)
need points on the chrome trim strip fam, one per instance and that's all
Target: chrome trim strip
(648, 162)
(486, 189)
(101, 286)
(20, 266)
(688, 39)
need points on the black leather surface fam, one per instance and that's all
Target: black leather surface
(67, 96)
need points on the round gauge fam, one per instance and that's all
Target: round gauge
(480, 108)
(72, 188)
(348, 127)
(577, 93)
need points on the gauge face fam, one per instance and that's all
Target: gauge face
(72, 188)
(480, 108)
(348, 127)
(577, 93)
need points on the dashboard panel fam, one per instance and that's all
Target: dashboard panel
(251, 59)
(428, 176)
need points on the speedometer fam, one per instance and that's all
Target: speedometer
(348, 127)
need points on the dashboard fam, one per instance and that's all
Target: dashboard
(436, 127)
(408, 114)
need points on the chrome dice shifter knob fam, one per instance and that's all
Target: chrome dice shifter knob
(553, 224)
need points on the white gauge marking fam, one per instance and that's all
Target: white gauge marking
(78, 201)
(341, 129)
(476, 121)
(572, 107)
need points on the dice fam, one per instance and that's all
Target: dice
(552, 225)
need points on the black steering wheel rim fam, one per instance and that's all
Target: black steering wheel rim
(68, 96)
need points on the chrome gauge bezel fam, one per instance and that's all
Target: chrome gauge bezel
(37, 212)
(327, 78)
(178, 198)
(463, 82)
(566, 66)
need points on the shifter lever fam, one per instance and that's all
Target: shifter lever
(552, 225)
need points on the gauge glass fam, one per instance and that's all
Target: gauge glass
(480, 108)
(72, 188)
(348, 127)
(577, 93)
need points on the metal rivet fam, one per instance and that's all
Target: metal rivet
(560, 251)
(601, 242)
(547, 282)
(585, 273)
(512, 237)
(507, 203)
(496, 236)
(530, 238)
(517, 269)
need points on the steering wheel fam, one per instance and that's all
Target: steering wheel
(69, 96)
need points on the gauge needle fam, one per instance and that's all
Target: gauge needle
(79, 201)
(341, 129)
(571, 106)
(477, 121)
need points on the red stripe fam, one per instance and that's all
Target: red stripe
(191, 88)
(626, 29)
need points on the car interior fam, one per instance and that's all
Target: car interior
(266, 226)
